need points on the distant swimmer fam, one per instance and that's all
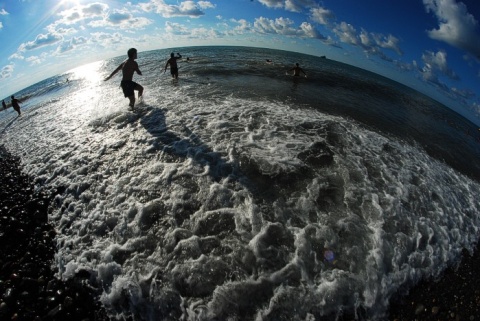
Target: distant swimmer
(173, 65)
(297, 70)
(4, 105)
(129, 67)
(15, 105)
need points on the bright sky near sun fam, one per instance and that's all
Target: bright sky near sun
(431, 45)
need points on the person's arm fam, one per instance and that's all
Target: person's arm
(166, 65)
(115, 71)
(303, 72)
(137, 69)
(179, 56)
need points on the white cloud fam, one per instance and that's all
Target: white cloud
(273, 3)
(16, 55)
(41, 40)
(71, 44)
(121, 19)
(243, 25)
(290, 5)
(206, 5)
(2, 13)
(105, 39)
(457, 26)
(436, 63)
(388, 42)
(371, 43)
(80, 13)
(204, 33)
(435, 67)
(285, 26)
(34, 60)
(179, 30)
(185, 8)
(321, 15)
(176, 29)
(7, 71)
(347, 34)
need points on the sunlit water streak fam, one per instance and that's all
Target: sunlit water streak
(241, 193)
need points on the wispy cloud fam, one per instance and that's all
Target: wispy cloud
(457, 26)
(185, 8)
(2, 13)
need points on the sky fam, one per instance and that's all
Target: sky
(430, 45)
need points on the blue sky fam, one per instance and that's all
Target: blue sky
(431, 45)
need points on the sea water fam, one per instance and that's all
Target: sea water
(239, 192)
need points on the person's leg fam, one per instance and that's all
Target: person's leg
(139, 88)
(132, 100)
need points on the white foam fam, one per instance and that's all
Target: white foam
(203, 201)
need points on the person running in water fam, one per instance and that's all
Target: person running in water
(4, 105)
(173, 65)
(297, 70)
(129, 67)
(15, 105)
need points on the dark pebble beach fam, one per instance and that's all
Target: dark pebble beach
(30, 289)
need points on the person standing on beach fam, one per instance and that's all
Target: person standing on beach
(297, 70)
(15, 105)
(129, 67)
(4, 105)
(173, 65)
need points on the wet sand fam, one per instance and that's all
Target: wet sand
(30, 291)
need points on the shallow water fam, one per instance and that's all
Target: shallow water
(242, 193)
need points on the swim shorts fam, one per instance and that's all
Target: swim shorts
(128, 87)
(173, 70)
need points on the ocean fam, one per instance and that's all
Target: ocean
(240, 192)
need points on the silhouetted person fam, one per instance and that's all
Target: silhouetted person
(297, 70)
(15, 105)
(4, 105)
(173, 65)
(129, 67)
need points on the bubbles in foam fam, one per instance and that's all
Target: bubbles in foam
(203, 204)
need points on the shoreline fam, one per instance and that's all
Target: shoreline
(29, 289)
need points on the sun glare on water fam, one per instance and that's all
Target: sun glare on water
(89, 72)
